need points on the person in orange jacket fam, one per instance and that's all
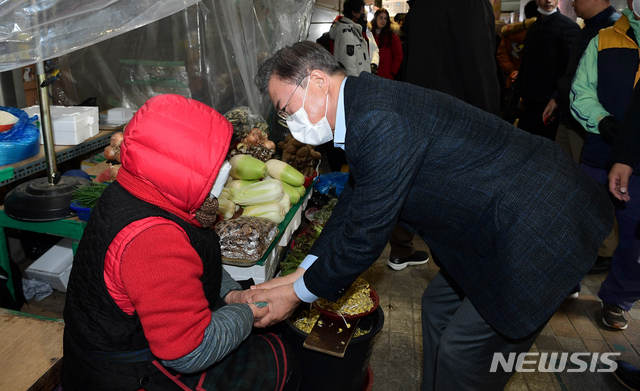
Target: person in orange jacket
(509, 51)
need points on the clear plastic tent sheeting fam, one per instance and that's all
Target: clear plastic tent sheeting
(36, 30)
(209, 51)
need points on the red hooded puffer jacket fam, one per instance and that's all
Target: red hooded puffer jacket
(176, 145)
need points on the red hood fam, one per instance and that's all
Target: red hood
(176, 146)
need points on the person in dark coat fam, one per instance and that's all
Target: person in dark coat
(450, 47)
(514, 222)
(597, 14)
(625, 152)
(547, 47)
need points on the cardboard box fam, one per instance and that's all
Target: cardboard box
(54, 266)
(31, 96)
(71, 125)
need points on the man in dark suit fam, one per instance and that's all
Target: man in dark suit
(514, 223)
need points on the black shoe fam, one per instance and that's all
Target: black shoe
(602, 265)
(417, 258)
(628, 375)
(613, 316)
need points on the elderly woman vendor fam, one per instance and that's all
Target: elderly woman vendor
(149, 305)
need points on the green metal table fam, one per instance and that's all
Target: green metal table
(68, 228)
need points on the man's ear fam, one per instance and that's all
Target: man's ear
(321, 79)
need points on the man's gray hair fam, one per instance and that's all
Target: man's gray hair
(294, 63)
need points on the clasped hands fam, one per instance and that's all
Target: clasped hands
(278, 293)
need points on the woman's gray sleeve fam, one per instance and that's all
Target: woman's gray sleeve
(228, 284)
(230, 325)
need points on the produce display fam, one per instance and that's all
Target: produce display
(260, 189)
(323, 214)
(251, 133)
(245, 237)
(258, 186)
(112, 153)
(301, 247)
(87, 196)
(300, 156)
(304, 241)
(356, 300)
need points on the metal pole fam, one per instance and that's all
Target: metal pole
(45, 124)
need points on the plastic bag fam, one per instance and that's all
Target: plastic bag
(21, 141)
(336, 180)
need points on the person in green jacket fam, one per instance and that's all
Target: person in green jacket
(600, 94)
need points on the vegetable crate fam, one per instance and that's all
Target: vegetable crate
(265, 270)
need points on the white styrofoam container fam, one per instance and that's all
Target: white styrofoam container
(259, 273)
(54, 266)
(119, 115)
(71, 125)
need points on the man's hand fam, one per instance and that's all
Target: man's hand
(276, 282)
(374, 69)
(514, 76)
(548, 111)
(619, 181)
(282, 302)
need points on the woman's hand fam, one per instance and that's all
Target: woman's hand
(259, 312)
(244, 297)
(238, 296)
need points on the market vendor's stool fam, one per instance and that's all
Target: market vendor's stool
(30, 351)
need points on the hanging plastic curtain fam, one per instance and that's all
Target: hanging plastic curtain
(37, 30)
(209, 51)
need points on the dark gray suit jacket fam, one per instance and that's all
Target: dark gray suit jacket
(515, 222)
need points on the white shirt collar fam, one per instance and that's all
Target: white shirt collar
(340, 130)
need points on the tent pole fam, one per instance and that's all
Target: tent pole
(45, 124)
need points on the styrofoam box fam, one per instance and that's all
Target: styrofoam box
(71, 125)
(119, 115)
(54, 266)
(259, 273)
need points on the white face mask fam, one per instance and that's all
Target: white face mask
(636, 7)
(221, 179)
(547, 13)
(304, 131)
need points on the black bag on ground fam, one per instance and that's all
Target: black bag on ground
(6, 299)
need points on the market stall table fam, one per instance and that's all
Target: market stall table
(72, 227)
(30, 351)
(69, 228)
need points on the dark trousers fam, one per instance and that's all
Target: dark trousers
(622, 285)
(458, 345)
(401, 242)
(531, 121)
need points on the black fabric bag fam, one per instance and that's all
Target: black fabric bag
(512, 109)
(6, 299)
